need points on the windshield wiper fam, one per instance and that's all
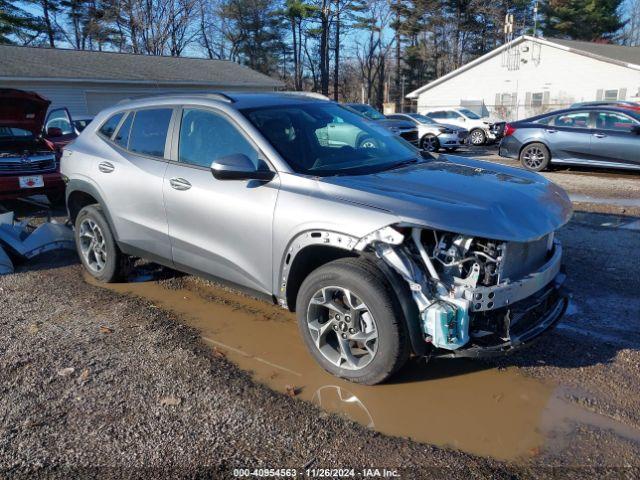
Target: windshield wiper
(403, 163)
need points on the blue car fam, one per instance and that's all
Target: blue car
(601, 136)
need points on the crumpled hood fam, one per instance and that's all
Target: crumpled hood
(461, 195)
(20, 109)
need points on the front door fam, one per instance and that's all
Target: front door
(218, 227)
(614, 138)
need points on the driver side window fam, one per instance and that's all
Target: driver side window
(206, 136)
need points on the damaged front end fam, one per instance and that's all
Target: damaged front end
(475, 296)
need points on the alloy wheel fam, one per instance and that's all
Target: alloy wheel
(477, 137)
(92, 245)
(533, 157)
(342, 328)
(430, 143)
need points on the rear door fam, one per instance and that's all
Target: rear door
(131, 179)
(569, 136)
(614, 138)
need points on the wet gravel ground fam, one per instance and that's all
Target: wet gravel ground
(101, 381)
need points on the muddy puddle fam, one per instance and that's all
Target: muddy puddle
(457, 403)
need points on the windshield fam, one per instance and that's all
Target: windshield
(422, 118)
(368, 111)
(327, 139)
(469, 114)
(15, 132)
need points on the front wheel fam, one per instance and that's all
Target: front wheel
(535, 157)
(478, 137)
(350, 322)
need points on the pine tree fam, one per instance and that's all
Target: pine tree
(581, 19)
(16, 22)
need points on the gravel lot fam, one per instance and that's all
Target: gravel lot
(95, 383)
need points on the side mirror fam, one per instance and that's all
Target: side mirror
(239, 167)
(54, 132)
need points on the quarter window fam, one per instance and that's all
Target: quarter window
(110, 125)
(122, 137)
(149, 132)
(206, 136)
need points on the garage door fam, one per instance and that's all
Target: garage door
(97, 101)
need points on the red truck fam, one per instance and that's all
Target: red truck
(29, 155)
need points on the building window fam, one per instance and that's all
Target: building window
(537, 99)
(610, 95)
(505, 99)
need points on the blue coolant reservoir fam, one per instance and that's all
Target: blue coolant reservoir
(447, 324)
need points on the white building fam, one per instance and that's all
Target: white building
(87, 81)
(530, 75)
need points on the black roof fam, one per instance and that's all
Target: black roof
(70, 65)
(620, 53)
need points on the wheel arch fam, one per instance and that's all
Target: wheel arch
(312, 249)
(79, 194)
(535, 140)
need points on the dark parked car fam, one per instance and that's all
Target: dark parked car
(590, 136)
(29, 159)
(402, 128)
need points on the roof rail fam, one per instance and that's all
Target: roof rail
(315, 95)
(208, 94)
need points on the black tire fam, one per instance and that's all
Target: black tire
(114, 261)
(368, 284)
(56, 199)
(477, 137)
(535, 157)
(430, 143)
(367, 142)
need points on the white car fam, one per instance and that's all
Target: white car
(481, 130)
(435, 135)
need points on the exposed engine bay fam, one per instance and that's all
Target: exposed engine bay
(471, 290)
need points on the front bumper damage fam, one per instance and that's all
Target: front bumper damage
(463, 319)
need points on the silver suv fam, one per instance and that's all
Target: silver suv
(382, 251)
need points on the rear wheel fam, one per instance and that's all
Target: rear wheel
(350, 321)
(535, 157)
(478, 137)
(96, 246)
(430, 143)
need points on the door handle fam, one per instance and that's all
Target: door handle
(551, 130)
(106, 167)
(179, 183)
(599, 135)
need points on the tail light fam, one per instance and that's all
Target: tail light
(509, 130)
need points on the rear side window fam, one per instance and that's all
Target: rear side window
(122, 137)
(110, 125)
(149, 132)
